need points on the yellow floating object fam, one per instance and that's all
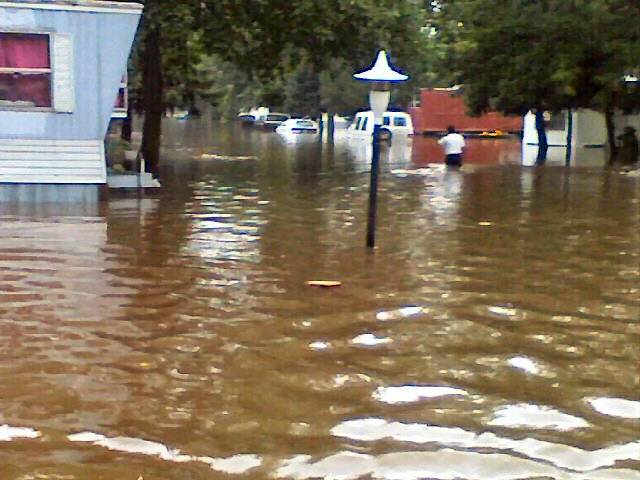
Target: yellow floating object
(323, 283)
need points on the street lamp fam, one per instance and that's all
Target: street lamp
(381, 74)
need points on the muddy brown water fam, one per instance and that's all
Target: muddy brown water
(494, 334)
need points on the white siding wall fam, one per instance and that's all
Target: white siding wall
(52, 161)
(590, 128)
(554, 137)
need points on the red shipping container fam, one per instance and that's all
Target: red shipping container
(442, 107)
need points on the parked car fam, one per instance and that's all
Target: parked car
(247, 119)
(274, 120)
(393, 123)
(298, 125)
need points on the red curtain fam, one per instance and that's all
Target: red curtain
(19, 50)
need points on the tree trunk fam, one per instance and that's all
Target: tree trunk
(127, 125)
(321, 126)
(611, 134)
(543, 144)
(152, 98)
(567, 158)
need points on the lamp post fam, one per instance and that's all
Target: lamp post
(380, 75)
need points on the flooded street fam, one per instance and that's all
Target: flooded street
(494, 334)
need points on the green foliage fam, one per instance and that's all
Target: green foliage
(181, 49)
(273, 38)
(224, 86)
(302, 90)
(514, 55)
(339, 92)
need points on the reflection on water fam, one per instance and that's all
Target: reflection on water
(492, 335)
(583, 156)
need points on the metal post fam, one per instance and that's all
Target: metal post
(373, 188)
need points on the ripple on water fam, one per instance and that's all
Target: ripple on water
(8, 433)
(535, 416)
(370, 340)
(236, 464)
(525, 364)
(414, 393)
(443, 464)
(557, 454)
(616, 407)
(399, 313)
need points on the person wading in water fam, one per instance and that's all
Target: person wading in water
(453, 144)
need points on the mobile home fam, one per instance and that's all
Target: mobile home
(61, 64)
(587, 137)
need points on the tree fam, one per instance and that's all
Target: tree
(258, 34)
(542, 55)
(339, 92)
(609, 54)
(166, 52)
(226, 87)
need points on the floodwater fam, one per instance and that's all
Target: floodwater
(494, 334)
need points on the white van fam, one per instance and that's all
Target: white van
(393, 123)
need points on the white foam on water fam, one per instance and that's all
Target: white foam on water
(8, 433)
(502, 311)
(86, 437)
(370, 340)
(616, 407)
(535, 416)
(559, 455)
(144, 447)
(525, 364)
(399, 313)
(319, 345)
(414, 393)
(445, 464)
(236, 464)
(373, 429)
(340, 466)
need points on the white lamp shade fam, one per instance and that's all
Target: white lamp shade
(381, 71)
(379, 101)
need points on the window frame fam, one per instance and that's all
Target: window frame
(556, 119)
(402, 121)
(50, 71)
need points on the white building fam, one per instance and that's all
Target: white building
(588, 137)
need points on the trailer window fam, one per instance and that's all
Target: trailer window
(556, 120)
(400, 122)
(25, 70)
